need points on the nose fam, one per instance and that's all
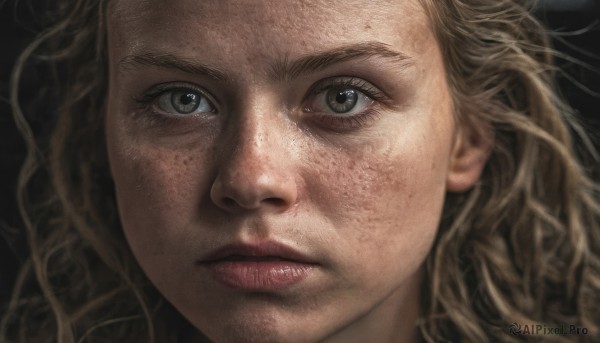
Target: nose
(255, 173)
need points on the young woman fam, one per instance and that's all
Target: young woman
(304, 171)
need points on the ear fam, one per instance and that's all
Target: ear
(473, 145)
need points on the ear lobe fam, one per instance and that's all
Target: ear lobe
(472, 148)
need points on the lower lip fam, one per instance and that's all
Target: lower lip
(259, 275)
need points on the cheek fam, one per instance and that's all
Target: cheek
(159, 192)
(384, 201)
(384, 192)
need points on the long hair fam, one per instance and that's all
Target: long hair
(521, 247)
(81, 282)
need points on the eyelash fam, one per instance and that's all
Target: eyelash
(350, 82)
(338, 123)
(355, 121)
(147, 100)
(150, 96)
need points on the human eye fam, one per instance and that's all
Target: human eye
(344, 103)
(178, 100)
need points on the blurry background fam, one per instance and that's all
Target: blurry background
(575, 25)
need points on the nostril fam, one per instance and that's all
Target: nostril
(229, 202)
(276, 202)
(232, 193)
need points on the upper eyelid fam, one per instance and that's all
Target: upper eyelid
(157, 90)
(349, 81)
(343, 81)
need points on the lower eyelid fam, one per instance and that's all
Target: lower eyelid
(348, 123)
(366, 100)
(156, 101)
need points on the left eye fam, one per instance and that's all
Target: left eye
(345, 101)
(183, 101)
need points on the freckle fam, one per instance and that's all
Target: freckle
(367, 27)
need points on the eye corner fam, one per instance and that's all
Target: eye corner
(178, 99)
(356, 90)
(343, 104)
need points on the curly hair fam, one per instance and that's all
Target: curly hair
(522, 246)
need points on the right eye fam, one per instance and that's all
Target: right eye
(183, 101)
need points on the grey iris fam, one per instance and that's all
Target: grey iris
(341, 101)
(185, 101)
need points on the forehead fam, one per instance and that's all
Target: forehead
(257, 29)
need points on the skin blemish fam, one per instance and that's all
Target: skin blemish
(362, 202)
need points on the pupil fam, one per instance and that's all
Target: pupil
(186, 99)
(342, 100)
(341, 97)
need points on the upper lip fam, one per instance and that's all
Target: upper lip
(260, 249)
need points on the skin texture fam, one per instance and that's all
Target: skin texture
(271, 162)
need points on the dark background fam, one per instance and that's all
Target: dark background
(575, 23)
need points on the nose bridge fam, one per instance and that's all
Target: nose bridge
(255, 171)
(254, 136)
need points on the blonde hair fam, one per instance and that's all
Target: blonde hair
(522, 246)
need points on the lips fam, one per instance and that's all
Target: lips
(263, 267)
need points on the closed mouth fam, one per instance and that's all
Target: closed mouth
(262, 267)
(245, 258)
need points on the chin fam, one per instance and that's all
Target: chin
(263, 330)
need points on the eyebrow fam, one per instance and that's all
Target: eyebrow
(170, 61)
(285, 70)
(281, 69)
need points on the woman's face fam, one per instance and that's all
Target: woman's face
(281, 166)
